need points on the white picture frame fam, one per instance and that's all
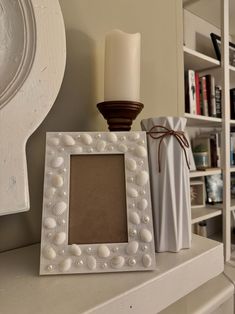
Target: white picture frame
(59, 257)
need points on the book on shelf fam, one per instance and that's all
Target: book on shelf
(197, 85)
(190, 92)
(210, 86)
(232, 103)
(218, 101)
(203, 96)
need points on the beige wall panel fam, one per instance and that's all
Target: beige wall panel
(203, 9)
(87, 22)
(197, 34)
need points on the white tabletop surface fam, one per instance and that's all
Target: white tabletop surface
(177, 274)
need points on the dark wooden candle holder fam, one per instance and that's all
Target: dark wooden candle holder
(120, 113)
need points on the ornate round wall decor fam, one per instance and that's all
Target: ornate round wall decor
(32, 63)
(17, 46)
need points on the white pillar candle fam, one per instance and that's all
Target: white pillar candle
(122, 66)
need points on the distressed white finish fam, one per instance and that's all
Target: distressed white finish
(138, 252)
(32, 62)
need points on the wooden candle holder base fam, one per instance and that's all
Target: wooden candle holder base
(120, 113)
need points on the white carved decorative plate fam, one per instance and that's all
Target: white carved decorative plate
(17, 46)
(32, 63)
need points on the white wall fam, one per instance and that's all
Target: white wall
(87, 22)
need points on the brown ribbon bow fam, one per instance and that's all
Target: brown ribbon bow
(179, 135)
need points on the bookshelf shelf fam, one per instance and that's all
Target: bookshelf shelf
(232, 169)
(232, 122)
(202, 121)
(203, 213)
(198, 61)
(204, 173)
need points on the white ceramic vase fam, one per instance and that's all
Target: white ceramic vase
(170, 187)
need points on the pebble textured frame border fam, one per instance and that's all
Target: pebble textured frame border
(57, 257)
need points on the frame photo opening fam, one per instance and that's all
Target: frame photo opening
(97, 212)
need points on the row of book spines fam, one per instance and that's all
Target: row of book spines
(205, 86)
(208, 96)
(207, 100)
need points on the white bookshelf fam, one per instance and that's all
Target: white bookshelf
(204, 213)
(198, 61)
(199, 121)
(224, 74)
(204, 173)
(202, 121)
